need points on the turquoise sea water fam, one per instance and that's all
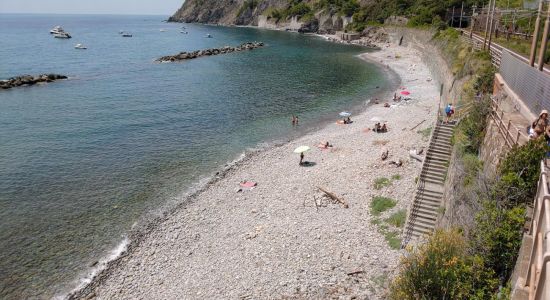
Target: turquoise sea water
(82, 160)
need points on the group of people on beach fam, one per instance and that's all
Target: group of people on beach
(380, 128)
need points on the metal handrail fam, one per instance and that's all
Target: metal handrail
(538, 273)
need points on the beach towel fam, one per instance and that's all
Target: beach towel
(248, 184)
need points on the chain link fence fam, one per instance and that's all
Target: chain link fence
(530, 84)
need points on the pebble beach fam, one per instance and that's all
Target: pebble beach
(284, 238)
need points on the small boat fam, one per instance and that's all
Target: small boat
(162, 30)
(121, 32)
(126, 34)
(57, 30)
(208, 35)
(184, 32)
(62, 35)
(80, 46)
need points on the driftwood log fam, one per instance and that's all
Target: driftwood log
(412, 153)
(334, 197)
(418, 124)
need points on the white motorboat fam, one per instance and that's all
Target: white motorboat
(208, 35)
(62, 35)
(57, 30)
(126, 34)
(162, 30)
(80, 46)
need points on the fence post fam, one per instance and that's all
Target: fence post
(517, 138)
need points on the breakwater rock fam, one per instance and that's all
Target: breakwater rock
(29, 80)
(208, 52)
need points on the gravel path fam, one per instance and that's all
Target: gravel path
(272, 242)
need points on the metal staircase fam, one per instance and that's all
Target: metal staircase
(430, 186)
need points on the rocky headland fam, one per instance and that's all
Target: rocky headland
(209, 52)
(29, 80)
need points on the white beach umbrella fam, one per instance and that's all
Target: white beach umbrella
(302, 149)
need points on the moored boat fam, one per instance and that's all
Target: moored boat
(80, 46)
(62, 35)
(57, 30)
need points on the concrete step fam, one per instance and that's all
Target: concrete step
(417, 232)
(432, 181)
(425, 212)
(428, 195)
(438, 156)
(428, 202)
(434, 169)
(443, 132)
(440, 151)
(434, 205)
(433, 177)
(431, 192)
(419, 224)
(437, 164)
(442, 143)
(442, 160)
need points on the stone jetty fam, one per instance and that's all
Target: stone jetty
(208, 52)
(29, 80)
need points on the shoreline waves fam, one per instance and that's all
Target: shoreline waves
(272, 240)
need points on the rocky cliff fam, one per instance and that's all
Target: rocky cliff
(263, 13)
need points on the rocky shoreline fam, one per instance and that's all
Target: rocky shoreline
(209, 52)
(29, 80)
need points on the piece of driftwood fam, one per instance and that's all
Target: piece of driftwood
(418, 124)
(356, 272)
(413, 154)
(334, 197)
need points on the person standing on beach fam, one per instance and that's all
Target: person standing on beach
(301, 158)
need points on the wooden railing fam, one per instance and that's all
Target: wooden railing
(509, 131)
(538, 274)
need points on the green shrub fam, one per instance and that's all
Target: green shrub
(521, 169)
(397, 219)
(380, 204)
(497, 237)
(396, 177)
(442, 269)
(381, 182)
(471, 130)
(393, 239)
(425, 132)
(248, 4)
(472, 165)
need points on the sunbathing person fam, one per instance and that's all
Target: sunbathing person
(324, 145)
(377, 127)
(384, 128)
